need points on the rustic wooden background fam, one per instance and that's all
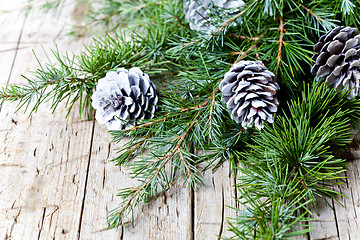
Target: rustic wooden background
(56, 181)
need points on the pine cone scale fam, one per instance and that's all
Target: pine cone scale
(335, 47)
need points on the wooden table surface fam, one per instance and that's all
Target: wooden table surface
(56, 181)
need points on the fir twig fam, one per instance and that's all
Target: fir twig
(311, 12)
(287, 164)
(213, 101)
(228, 22)
(281, 43)
(247, 37)
(243, 54)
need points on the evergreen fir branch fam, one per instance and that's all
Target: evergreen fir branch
(319, 19)
(143, 192)
(76, 76)
(296, 154)
(114, 14)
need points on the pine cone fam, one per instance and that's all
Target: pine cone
(337, 56)
(249, 92)
(123, 97)
(200, 12)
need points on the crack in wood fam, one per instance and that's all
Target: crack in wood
(104, 177)
(12, 165)
(122, 233)
(353, 203)
(336, 220)
(12, 206)
(109, 151)
(41, 223)
(17, 48)
(222, 212)
(8, 237)
(192, 214)
(51, 215)
(13, 49)
(16, 52)
(86, 179)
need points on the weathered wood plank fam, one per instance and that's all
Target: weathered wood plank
(212, 202)
(325, 225)
(11, 26)
(104, 180)
(46, 156)
(168, 217)
(347, 213)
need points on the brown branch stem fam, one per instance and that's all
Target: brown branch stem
(140, 143)
(212, 106)
(244, 54)
(146, 124)
(187, 44)
(183, 159)
(281, 43)
(311, 12)
(195, 107)
(246, 37)
(10, 96)
(228, 22)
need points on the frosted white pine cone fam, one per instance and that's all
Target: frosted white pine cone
(124, 97)
(200, 12)
(249, 92)
(337, 59)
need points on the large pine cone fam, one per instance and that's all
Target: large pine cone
(249, 92)
(337, 56)
(200, 12)
(123, 97)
